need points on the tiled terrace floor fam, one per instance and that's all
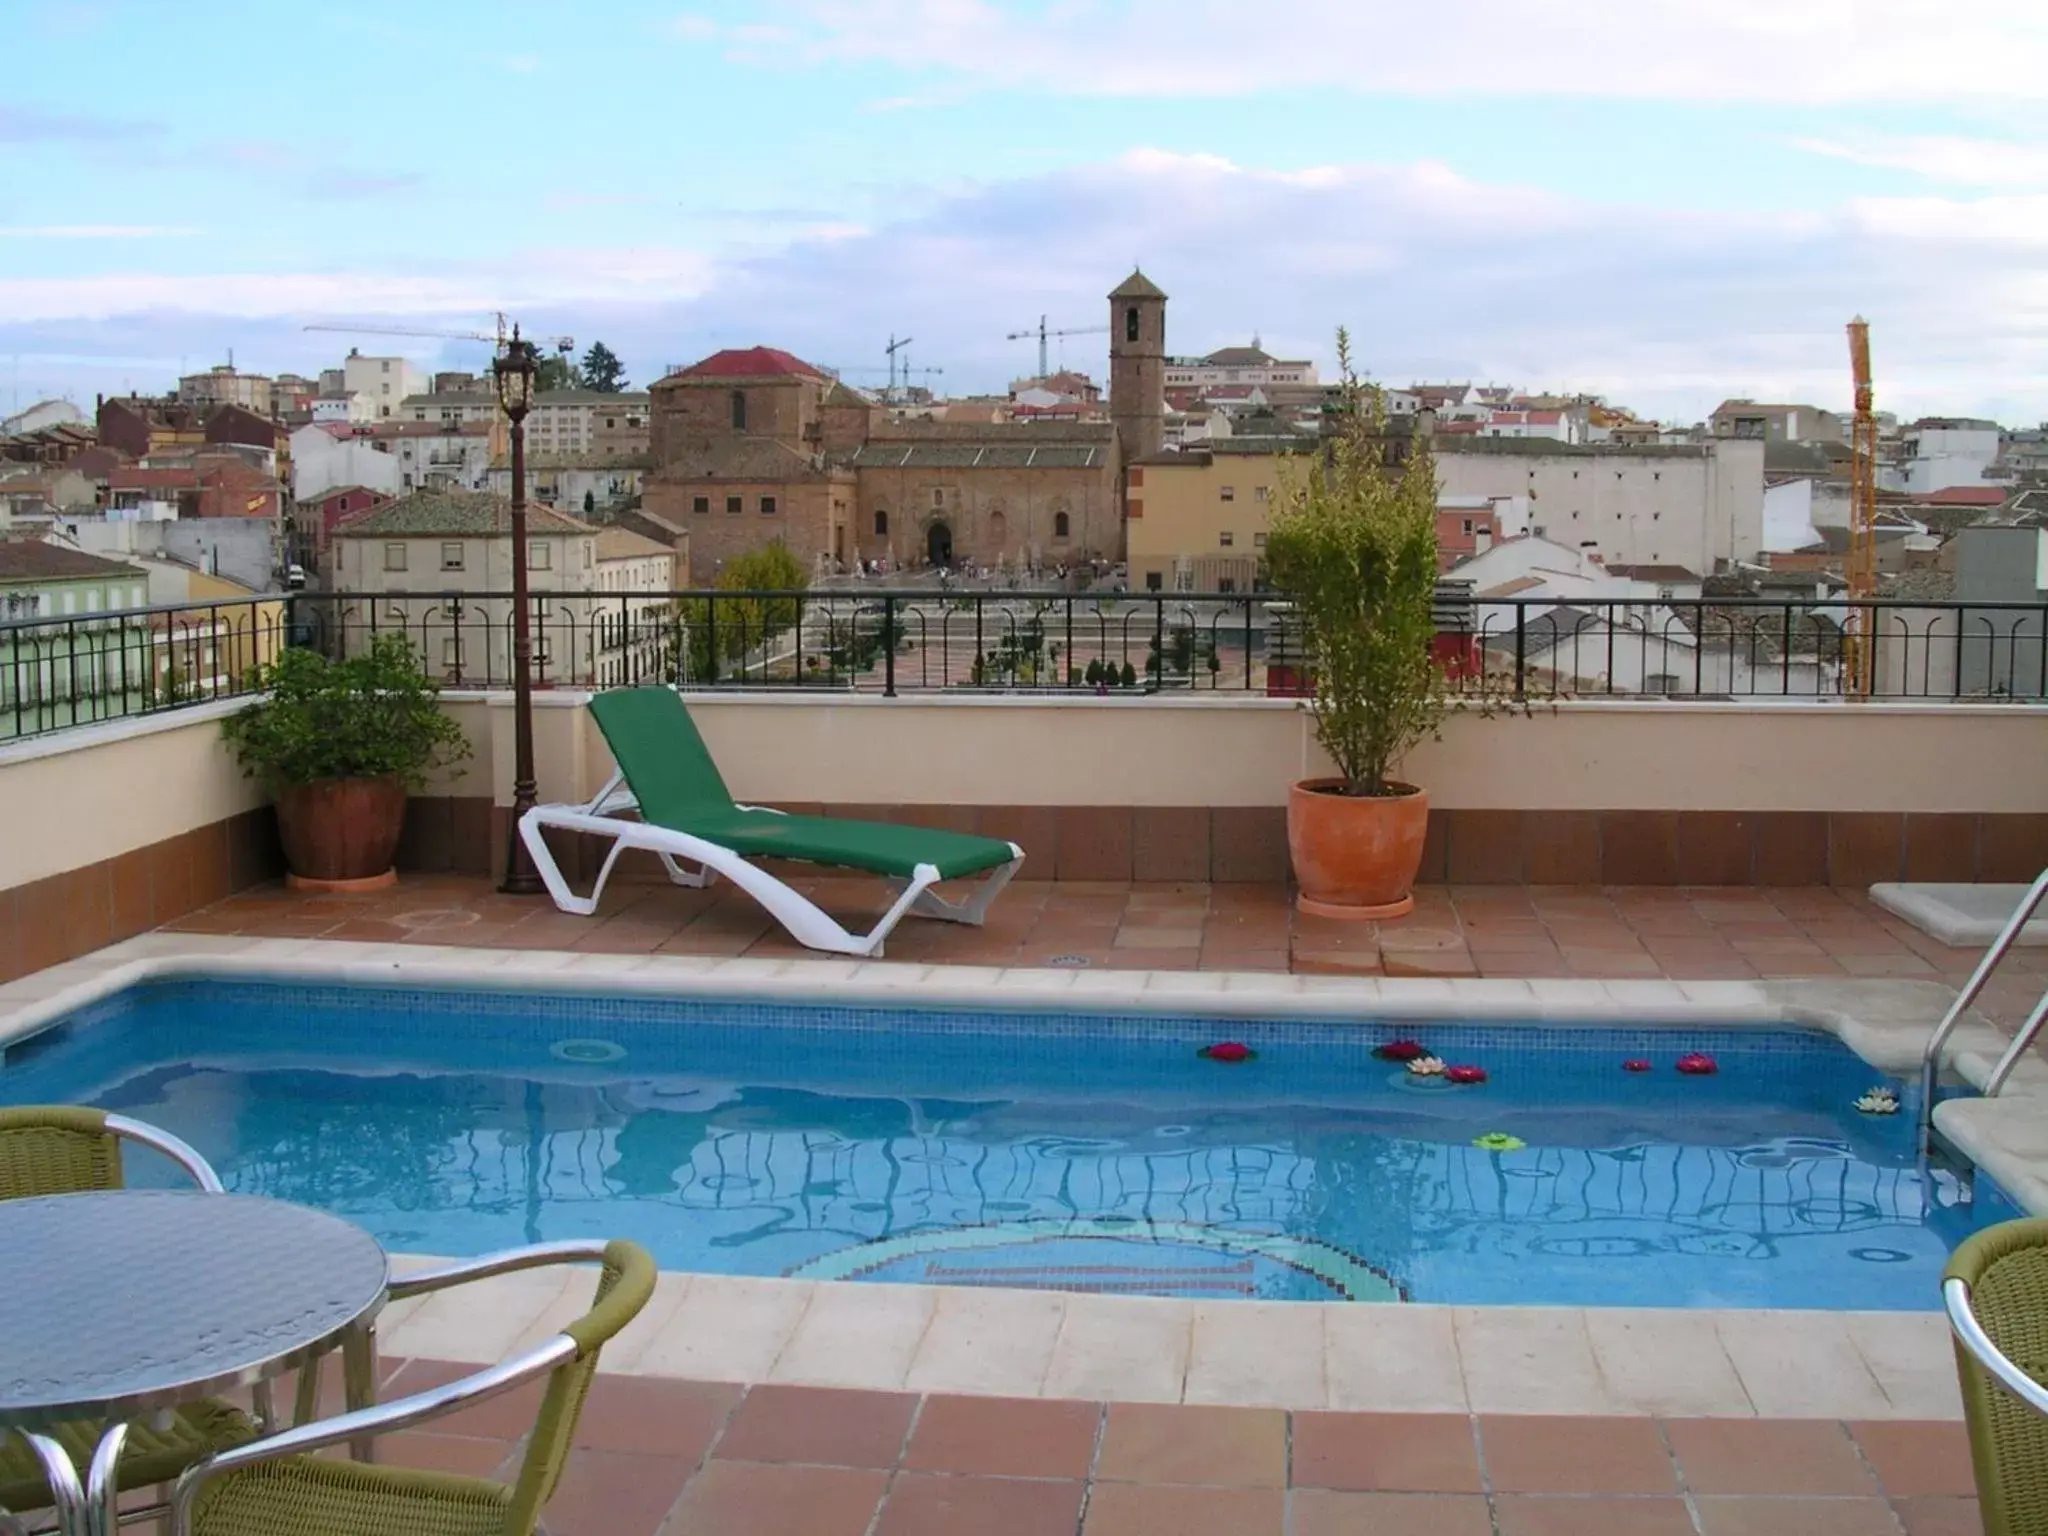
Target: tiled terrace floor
(1682, 933)
(668, 1458)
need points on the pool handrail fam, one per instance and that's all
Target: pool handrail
(1930, 1060)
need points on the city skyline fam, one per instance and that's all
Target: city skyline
(1659, 203)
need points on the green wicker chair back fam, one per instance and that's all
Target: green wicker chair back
(623, 1286)
(2006, 1268)
(56, 1150)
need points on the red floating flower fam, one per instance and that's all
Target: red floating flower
(1698, 1064)
(1401, 1050)
(1635, 1064)
(1228, 1050)
(1464, 1074)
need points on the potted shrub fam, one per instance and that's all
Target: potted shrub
(340, 743)
(1353, 547)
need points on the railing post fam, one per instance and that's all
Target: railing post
(710, 639)
(1521, 649)
(889, 646)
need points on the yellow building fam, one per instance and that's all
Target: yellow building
(1198, 517)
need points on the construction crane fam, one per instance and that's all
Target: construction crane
(562, 344)
(1859, 651)
(1043, 335)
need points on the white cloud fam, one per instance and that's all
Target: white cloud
(1968, 161)
(1437, 275)
(1735, 50)
(93, 231)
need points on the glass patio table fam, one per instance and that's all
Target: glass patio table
(120, 1304)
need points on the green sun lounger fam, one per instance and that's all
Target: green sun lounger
(688, 816)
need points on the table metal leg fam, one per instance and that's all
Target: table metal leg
(66, 1496)
(306, 1401)
(103, 1484)
(359, 1381)
(264, 1402)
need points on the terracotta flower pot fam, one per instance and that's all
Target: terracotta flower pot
(1355, 856)
(341, 832)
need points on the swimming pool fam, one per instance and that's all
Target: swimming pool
(1065, 1150)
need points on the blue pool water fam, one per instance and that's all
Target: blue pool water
(1065, 1151)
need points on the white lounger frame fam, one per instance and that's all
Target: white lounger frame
(807, 923)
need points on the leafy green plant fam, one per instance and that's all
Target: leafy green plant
(744, 623)
(371, 716)
(1353, 547)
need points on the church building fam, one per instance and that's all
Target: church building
(751, 445)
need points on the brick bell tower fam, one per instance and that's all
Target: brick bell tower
(1137, 365)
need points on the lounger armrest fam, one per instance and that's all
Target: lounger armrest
(769, 809)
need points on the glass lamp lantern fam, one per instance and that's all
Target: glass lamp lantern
(515, 372)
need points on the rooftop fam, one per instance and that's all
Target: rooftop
(467, 513)
(750, 363)
(23, 560)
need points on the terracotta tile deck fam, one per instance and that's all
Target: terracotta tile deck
(671, 1458)
(1695, 933)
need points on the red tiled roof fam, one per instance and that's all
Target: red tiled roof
(751, 363)
(168, 479)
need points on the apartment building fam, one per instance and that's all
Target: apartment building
(401, 562)
(382, 382)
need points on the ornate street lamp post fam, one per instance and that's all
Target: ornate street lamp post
(515, 372)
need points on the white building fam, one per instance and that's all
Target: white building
(573, 484)
(604, 612)
(575, 421)
(1557, 425)
(437, 455)
(326, 454)
(383, 382)
(451, 406)
(1939, 452)
(1695, 506)
(44, 413)
(1237, 365)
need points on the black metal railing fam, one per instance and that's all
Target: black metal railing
(77, 669)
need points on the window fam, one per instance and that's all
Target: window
(732, 505)
(385, 366)
(92, 600)
(1060, 525)
(540, 554)
(1226, 583)
(700, 504)
(881, 522)
(451, 557)
(589, 555)
(1228, 493)
(135, 597)
(938, 497)
(1258, 541)
(1262, 493)
(1466, 528)
(767, 506)
(394, 557)
(1226, 538)
(1131, 324)
(739, 410)
(1152, 582)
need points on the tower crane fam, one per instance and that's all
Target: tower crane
(1859, 652)
(1043, 334)
(561, 344)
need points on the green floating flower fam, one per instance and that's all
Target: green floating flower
(1499, 1141)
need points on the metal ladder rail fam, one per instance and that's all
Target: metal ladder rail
(1930, 1061)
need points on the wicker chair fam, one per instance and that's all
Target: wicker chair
(62, 1150)
(1996, 1290)
(275, 1487)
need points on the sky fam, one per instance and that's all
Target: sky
(1661, 202)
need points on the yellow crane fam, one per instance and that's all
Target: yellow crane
(1859, 652)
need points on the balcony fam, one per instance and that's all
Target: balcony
(1593, 845)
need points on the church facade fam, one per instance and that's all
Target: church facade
(752, 445)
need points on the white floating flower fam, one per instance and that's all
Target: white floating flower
(1427, 1066)
(1879, 1101)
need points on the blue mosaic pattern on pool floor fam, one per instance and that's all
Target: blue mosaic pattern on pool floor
(1064, 1150)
